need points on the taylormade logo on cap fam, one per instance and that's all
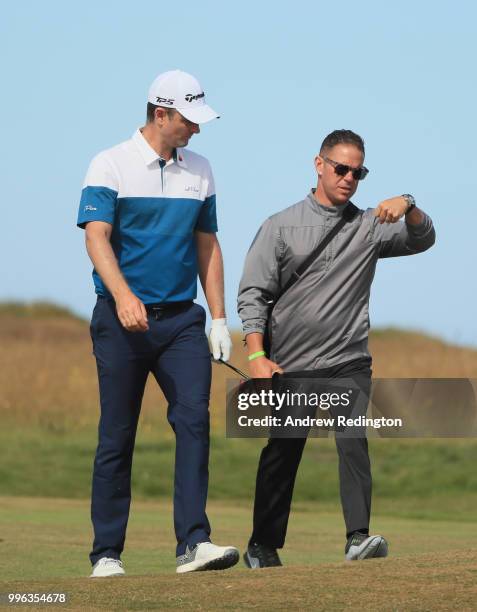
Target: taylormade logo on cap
(182, 91)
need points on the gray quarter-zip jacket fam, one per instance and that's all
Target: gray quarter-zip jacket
(322, 320)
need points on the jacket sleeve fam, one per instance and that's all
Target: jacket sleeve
(402, 238)
(260, 279)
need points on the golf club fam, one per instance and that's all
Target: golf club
(229, 365)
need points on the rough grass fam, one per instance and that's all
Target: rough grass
(37, 311)
(48, 374)
(49, 411)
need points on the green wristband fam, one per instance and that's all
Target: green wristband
(255, 355)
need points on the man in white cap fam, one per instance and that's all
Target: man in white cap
(148, 210)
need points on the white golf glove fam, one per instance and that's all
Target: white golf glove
(220, 341)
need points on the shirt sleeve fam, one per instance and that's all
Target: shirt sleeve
(260, 279)
(402, 238)
(100, 193)
(207, 220)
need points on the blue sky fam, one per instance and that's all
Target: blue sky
(282, 75)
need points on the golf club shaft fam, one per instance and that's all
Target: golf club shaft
(229, 365)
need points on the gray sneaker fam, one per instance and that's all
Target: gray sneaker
(363, 546)
(260, 555)
(207, 556)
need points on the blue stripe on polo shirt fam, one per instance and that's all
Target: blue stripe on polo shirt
(153, 240)
(162, 268)
(207, 221)
(97, 204)
(175, 216)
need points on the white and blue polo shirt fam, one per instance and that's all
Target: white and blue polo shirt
(154, 207)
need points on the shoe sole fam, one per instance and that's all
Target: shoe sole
(108, 576)
(230, 559)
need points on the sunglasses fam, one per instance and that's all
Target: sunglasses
(342, 169)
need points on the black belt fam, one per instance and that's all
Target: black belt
(157, 309)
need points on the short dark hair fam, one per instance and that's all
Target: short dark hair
(342, 137)
(151, 111)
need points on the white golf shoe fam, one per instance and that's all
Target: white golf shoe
(107, 567)
(207, 556)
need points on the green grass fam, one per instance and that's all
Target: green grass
(45, 545)
(51, 538)
(48, 463)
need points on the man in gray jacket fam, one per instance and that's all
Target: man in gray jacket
(320, 327)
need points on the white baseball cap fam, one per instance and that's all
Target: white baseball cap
(182, 91)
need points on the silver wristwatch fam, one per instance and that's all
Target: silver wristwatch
(411, 202)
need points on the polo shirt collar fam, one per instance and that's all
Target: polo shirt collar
(180, 159)
(150, 156)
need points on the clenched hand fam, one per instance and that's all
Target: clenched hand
(132, 313)
(391, 210)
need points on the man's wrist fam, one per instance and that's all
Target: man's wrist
(256, 355)
(218, 314)
(254, 342)
(121, 293)
(410, 201)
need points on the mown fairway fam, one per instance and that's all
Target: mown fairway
(432, 564)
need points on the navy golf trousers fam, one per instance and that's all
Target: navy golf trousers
(175, 350)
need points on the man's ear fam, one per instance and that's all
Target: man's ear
(319, 165)
(160, 114)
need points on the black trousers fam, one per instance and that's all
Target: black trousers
(281, 457)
